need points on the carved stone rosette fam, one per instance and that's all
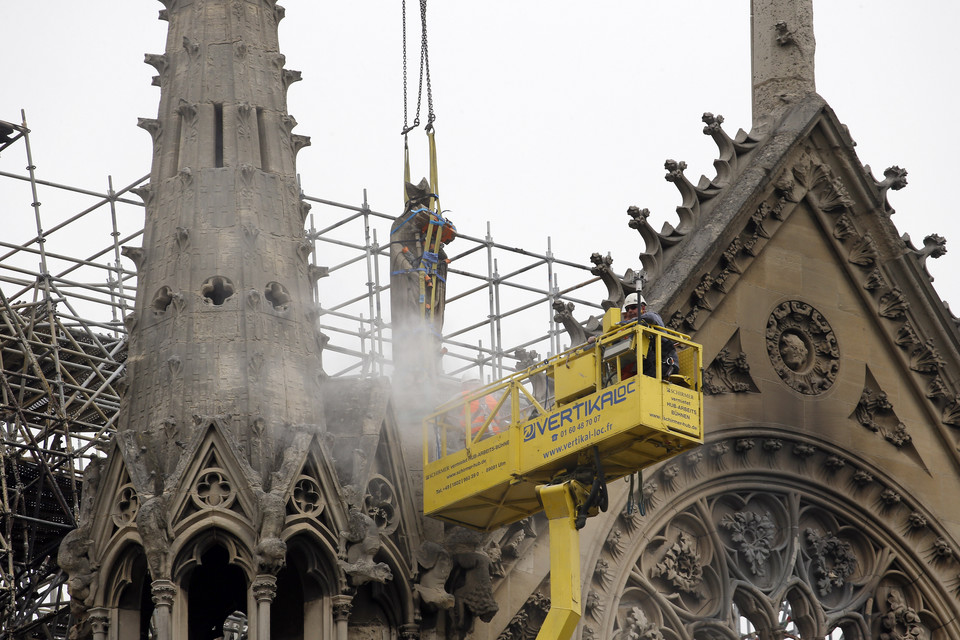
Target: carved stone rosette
(802, 347)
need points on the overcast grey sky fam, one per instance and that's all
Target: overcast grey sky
(552, 117)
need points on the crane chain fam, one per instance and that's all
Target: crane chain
(424, 71)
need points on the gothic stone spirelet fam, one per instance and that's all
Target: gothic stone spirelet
(802, 347)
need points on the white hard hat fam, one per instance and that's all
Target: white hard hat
(632, 300)
(470, 376)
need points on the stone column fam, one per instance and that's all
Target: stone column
(100, 622)
(410, 632)
(782, 57)
(264, 591)
(163, 592)
(342, 604)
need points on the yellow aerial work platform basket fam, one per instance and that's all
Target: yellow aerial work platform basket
(486, 452)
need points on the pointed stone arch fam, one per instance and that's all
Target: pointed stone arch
(805, 612)
(306, 587)
(213, 572)
(127, 591)
(762, 521)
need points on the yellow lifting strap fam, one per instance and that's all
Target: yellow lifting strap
(434, 180)
(435, 207)
(434, 174)
(434, 235)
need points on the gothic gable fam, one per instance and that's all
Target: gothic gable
(314, 496)
(117, 500)
(212, 478)
(802, 245)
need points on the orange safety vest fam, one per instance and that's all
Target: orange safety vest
(480, 413)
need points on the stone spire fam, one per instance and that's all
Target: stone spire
(782, 55)
(223, 327)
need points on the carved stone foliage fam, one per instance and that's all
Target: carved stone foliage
(526, 624)
(681, 561)
(875, 412)
(617, 287)
(789, 542)
(824, 189)
(564, 315)
(754, 534)
(750, 529)
(729, 372)
(833, 560)
(638, 626)
(659, 245)
(864, 251)
(901, 619)
(809, 179)
(802, 347)
(681, 566)
(637, 617)
(934, 246)
(894, 178)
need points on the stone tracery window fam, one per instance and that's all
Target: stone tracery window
(771, 558)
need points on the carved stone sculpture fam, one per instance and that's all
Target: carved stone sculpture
(271, 551)
(436, 563)
(155, 534)
(474, 595)
(357, 558)
(802, 347)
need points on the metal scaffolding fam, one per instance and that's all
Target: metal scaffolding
(63, 344)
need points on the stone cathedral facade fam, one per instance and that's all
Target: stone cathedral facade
(247, 495)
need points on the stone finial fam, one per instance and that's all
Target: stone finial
(783, 46)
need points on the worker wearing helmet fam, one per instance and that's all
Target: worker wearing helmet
(630, 311)
(635, 306)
